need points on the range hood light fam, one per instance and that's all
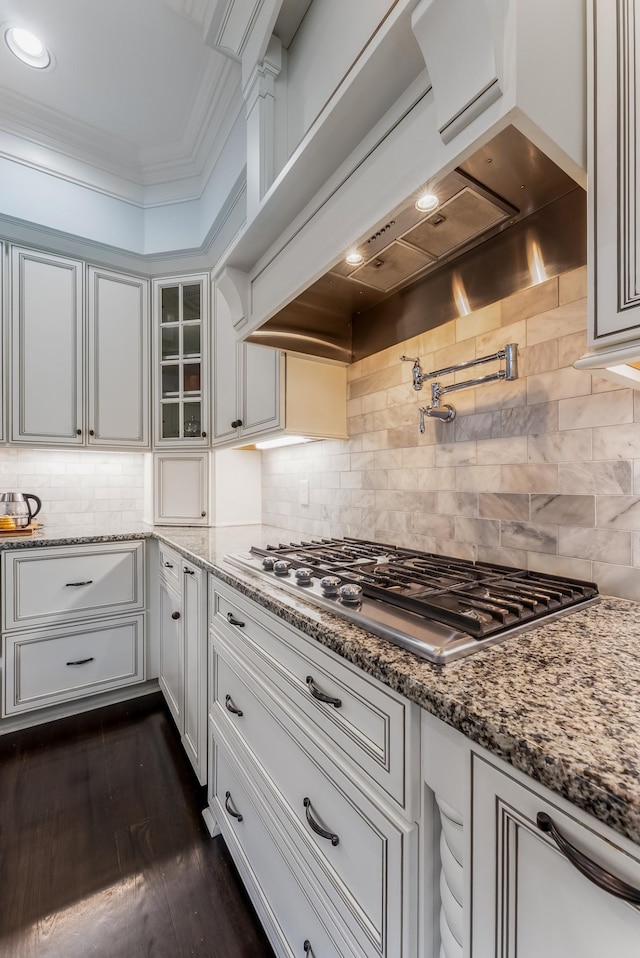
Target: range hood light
(282, 441)
(354, 258)
(28, 48)
(427, 203)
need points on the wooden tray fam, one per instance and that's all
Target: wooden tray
(24, 531)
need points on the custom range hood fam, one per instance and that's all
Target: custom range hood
(508, 218)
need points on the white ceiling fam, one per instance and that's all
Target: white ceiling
(135, 98)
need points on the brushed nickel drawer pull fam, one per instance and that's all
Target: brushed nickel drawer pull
(591, 870)
(228, 701)
(322, 696)
(317, 828)
(231, 619)
(231, 811)
(88, 582)
(81, 661)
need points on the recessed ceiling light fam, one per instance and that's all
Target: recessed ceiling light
(28, 48)
(354, 258)
(427, 202)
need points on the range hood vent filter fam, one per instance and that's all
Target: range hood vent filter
(462, 219)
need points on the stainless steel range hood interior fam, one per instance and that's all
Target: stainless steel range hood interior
(508, 218)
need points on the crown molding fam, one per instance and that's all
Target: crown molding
(47, 140)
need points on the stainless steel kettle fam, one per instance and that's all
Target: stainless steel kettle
(16, 504)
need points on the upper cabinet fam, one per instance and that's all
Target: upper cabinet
(52, 402)
(180, 329)
(260, 391)
(47, 344)
(614, 202)
(118, 344)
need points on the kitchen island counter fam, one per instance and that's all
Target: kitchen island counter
(560, 702)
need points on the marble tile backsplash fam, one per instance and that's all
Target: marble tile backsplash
(77, 487)
(542, 472)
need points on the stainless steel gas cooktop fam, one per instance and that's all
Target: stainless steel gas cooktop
(438, 607)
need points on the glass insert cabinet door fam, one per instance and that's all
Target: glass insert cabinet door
(181, 320)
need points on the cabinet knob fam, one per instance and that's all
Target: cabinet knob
(236, 423)
(204, 435)
(91, 432)
(78, 432)
(175, 615)
(203, 514)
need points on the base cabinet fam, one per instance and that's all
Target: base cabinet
(503, 886)
(73, 623)
(183, 644)
(528, 898)
(350, 846)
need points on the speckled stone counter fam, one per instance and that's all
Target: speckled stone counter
(561, 702)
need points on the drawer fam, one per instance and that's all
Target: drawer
(360, 855)
(376, 729)
(42, 668)
(42, 586)
(286, 906)
(170, 566)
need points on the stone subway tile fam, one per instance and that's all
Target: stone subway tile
(492, 505)
(564, 510)
(584, 478)
(573, 445)
(533, 537)
(599, 544)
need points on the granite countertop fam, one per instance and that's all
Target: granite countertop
(561, 702)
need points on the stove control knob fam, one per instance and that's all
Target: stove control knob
(303, 576)
(350, 592)
(281, 567)
(267, 563)
(329, 584)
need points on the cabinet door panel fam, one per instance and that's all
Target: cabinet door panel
(225, 371)
(260, 389)
(47, 348)
(118, 360)
(195, 668)
(182, 488)
(528, 900)
(171, 653)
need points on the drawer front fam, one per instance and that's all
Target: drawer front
(43, 586)
(285, 904)
(170, 566)
(360, 854)
(368, 723)
(64, 664)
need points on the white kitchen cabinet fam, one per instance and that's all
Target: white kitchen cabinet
(47, 586)
(183, 653)
(171, 676)
(285, 738)
(118, 368)
(246, 384)
(503, 888)
(259, 391)
(47, 349)
(613, 140)
(67, 663)
(527, 898)
(73, 622)
(182, 494)
(181, 338)
(50, 403)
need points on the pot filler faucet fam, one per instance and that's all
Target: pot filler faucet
(444, 411)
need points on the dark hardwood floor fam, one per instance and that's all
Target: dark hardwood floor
(103, 851)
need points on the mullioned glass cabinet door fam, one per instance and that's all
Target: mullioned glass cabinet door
(181, 313)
